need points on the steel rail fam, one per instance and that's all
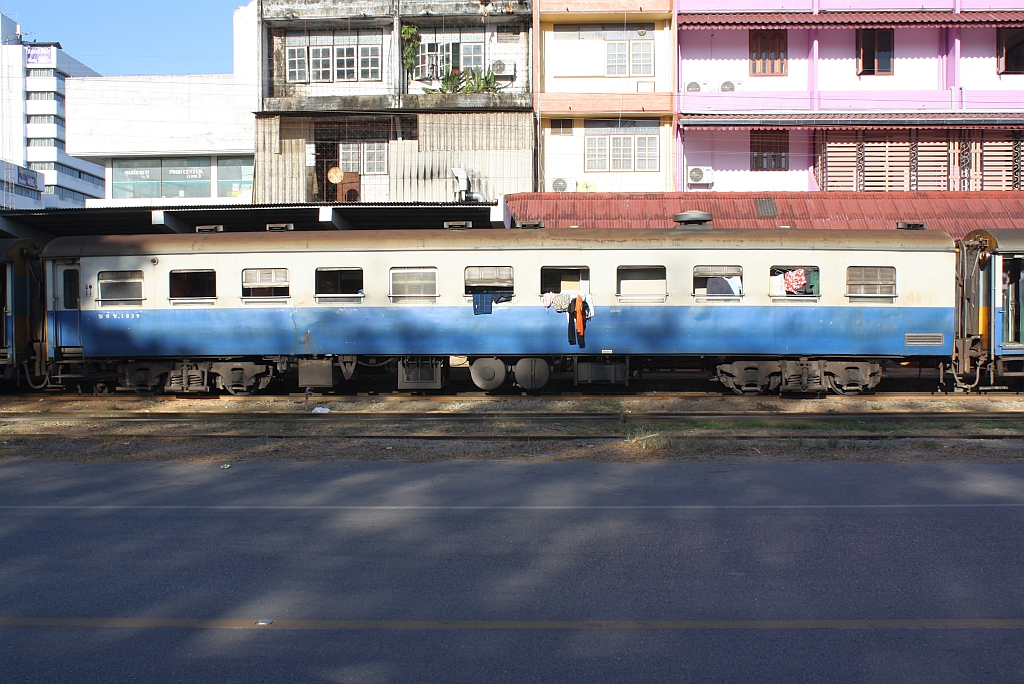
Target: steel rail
(497, 416)
(868, 437)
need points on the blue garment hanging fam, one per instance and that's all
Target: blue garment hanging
(482, 303)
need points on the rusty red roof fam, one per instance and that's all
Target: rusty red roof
(771, 20)
(956, 213)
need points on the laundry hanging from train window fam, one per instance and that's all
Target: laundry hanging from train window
(489, 285)
(795, 281)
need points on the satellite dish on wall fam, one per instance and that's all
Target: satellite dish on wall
(335, 175)
(586, 186)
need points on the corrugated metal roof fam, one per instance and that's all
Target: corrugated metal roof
(956, 213)
(770, 20)
(410, 240)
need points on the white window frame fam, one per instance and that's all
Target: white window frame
(877, 283)
(374, 166)
(123, 301)
(644, 163)
(346, 63)
(416, 297)
(472, 56)
(638, 297)
(274, 282)
(297, 64)
(427, 67)
(597, 153)
(349, 154)
(641, 57)
(321, 68)
(706, 271)
(616, 59)
(370, 55)
(621, 152)
(339, 297)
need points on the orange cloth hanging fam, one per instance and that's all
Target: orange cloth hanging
(581, 320)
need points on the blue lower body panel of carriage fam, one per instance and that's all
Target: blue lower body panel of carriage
(515, 331)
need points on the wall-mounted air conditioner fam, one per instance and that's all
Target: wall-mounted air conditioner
(698, 86)
(700, 175)
(503, 69)
(564, 184)
(730, 86)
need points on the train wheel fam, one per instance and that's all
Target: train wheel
(488, 374)
(239, 392)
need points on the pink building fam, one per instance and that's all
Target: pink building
(849, 95)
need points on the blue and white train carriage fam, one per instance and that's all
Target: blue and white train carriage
(782, 309)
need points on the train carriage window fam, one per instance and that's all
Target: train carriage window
(413, 284)
(193, 284)
(558, 279)
(641, 284)
(717, 282)
(789, 282)
(120, 288)
(1013, 280)
(489, 280)
(265, 282)
(72, 288)
(339, 284)
(871, 281)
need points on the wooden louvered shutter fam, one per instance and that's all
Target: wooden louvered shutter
(841, 161)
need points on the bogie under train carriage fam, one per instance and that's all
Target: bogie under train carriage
(788, 310)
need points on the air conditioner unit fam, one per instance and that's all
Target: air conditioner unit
(698, 87)
(504, 69)
(730, 86)
(563, 185)
(701, 175)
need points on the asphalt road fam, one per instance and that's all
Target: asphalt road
(511, 572)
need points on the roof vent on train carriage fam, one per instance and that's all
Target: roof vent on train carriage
(910, 225)
(529, 225)
(457, 225)
(693, 220)
(280, 227)
(210, 229)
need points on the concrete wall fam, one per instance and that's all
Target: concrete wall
(578, 66)
(728, 153)
(564, 156)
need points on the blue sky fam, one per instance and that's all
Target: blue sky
(133, 37)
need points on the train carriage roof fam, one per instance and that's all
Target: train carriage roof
(1000, 241)
(406, 240)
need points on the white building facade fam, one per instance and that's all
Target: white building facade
(171, 140)
(38, 170)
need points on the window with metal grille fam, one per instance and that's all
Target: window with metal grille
(641, 283)
(875, 52)
(265, 282)
(717, 281)
(871, 281)
(473, 56)
(768, 53)
(769, 150)
(348, 157)
(489, 279)
(120, 288)
(413, 283)
(1010, 51)
(339, 284)
(297, 70)
(200, 284)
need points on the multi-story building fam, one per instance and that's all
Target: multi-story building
(606, 74)
(38, 171)
(171, 140)
(379, 100)
(850, 95)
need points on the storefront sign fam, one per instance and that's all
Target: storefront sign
(39, 56)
